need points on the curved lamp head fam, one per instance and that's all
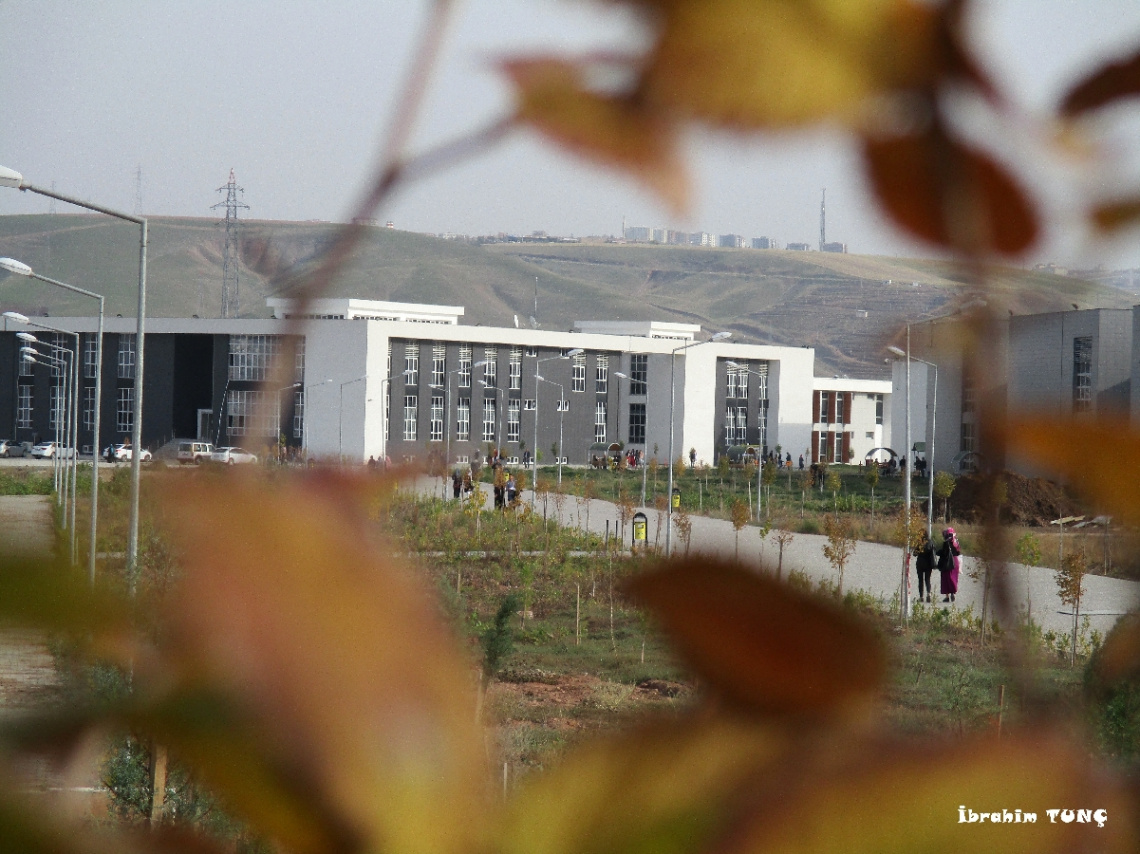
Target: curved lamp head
(27, 336)
(10, 178)
(732, 364)
(481, 363)
(898, 351)
(720, 336)
(577, 351)
(31, 359)
(14, 266)
(28, 351)
(16, 316)
(620, 374)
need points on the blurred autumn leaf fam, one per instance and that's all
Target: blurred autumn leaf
(353, 687)
(612, 129)
(612, 796)
(882, 798)
(1062, 445)
(761, 644)
(1112, 82)
(1113, 216)
(939, 189)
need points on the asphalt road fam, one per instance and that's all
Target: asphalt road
(875, 568)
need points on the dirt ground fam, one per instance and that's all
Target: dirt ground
(1029, 501)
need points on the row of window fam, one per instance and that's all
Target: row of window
(490, 366)
(124, 408)
(490, 424)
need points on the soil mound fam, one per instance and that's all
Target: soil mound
(1029, 501)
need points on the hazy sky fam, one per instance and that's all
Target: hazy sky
(294, 96)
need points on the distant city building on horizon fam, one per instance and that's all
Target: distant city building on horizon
(671, 237)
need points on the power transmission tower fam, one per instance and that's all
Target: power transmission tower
(230, 255)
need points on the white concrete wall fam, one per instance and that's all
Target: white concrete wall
(790, 394)
(335, 353)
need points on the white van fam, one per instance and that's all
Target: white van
(194, 452)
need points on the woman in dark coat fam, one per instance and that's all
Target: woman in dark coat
(949, 564)
(924, 564)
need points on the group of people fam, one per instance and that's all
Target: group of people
(948, 560)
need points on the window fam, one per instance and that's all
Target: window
(463, 416)
(125, 409)
(529, 405)
(516, 369)
(735, 425)
(411, 364)
(252, 413)
(578, 373)
(563, 405)
(438, 364)
(825, 407)
(969, 402)
(1082, 374)
(762, 424)
(513, 426)
(491, 369)
(878, 409)
(411, 405)
(638, 373)
(824, 446)
(127, 358)
(600, 421)
(969, 437)
(532, 352)
(489, 413)
(465, 370)
(90, 356)
(24, 406)
(299, 413)
(839, 419)
(63, 359)
(435, 424)
(737, 383)
(25, 365)
(55, 400)
(89, 408)
(741, 425)
(602, 375)
(251, 356)
(637, 424)
(299, 359)
(838, 458)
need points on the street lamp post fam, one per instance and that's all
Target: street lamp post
(644, 462)
(898, 351)
(904, 598)
(717, 336)
(13, 266)
(498, 415)
(64, 475)
(59, 434)
(561, 414)
(538, 370)
(12, 178)
(447, 408)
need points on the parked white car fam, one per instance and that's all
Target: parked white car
(47, 450)
(232, 456)
(125, 453)
(12, 448)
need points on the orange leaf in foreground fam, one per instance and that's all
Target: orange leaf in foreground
(1065, 446)
(890, 799)
(942, 191)
(288, 607)
(610, 129)
(778, 63)
(761, 644)
(662, 788)
(1109, 83)
(1112, 216)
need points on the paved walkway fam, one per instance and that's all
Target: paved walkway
(874, 568)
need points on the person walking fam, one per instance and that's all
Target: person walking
(924, 563)
(512, 491)
(949, 564)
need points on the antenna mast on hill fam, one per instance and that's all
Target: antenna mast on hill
(230, 255)
(823, 220)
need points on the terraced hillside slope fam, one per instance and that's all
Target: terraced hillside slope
(846, 306)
